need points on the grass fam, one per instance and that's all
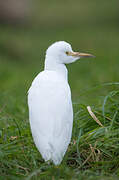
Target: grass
(94, 150)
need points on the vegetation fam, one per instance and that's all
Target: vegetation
(94, 150)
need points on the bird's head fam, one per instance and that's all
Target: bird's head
(63, 53)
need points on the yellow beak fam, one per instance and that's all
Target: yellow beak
(81, 55)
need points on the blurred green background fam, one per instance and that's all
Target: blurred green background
(90, 26)
(26, 31)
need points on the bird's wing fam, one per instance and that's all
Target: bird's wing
(50, 111)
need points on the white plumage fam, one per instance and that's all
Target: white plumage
(50, 105)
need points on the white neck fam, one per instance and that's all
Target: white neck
(52, 65)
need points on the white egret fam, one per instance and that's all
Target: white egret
(50, 104)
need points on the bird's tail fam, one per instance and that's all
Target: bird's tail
(50, 154)
(47, 155)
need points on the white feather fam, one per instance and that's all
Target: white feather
(51, 115)
(50, 105)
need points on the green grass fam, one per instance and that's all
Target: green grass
(94, 150)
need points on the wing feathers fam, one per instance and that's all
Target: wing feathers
(51, 116)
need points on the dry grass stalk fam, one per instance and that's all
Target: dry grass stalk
(93, 116)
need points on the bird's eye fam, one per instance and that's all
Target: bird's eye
(67, 52)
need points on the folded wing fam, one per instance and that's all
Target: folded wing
(51, 115)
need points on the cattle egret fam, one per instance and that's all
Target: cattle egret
(50, 104)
